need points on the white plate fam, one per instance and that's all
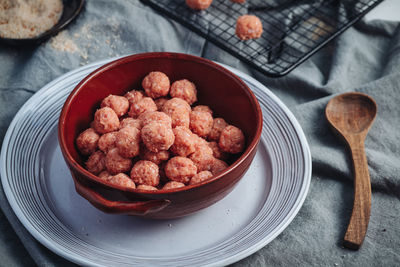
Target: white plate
(40, 190)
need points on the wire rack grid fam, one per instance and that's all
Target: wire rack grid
(293, 30)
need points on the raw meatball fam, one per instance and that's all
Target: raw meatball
(115, 163)
(180, 169)
(248, 27)
(156, 84)
(203, 109)
(145, 172)
(217, 152)
(160, 102)
(203, 160)
(231, 140)
(218, 125)
(201, 123)
(184, 142)
(107, 141)
(96, 162)
(200, 177)
(104, 175)
(147, 187)
(218, 166)
(156, 157)
(87, 141)
(142, 106)
(157, 116)
(134, 96)
(105, 120)
(157, 136)
(121, 179)
(128, 142)
(185, 90)
(173, 185)
(130, 122)
(119, 104)
(202, 145)
(198, 4)
(179, 111)
(176, 104)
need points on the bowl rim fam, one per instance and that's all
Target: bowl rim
(126, 59)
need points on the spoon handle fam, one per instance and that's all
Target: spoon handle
(358, 225)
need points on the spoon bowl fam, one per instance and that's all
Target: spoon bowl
(352, 115)
(71, 10)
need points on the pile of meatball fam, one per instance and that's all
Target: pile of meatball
(247, 26)
(157, 139)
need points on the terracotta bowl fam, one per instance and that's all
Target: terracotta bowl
(226, 94)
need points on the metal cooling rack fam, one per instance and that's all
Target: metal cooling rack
(293, 29)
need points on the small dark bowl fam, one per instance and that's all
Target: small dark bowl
(226, 94)
(71, 10)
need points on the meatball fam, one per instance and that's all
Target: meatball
(134, 96)
(145, 172)
(173, 185)
(239, 1)
(218, 125)
(157, 136)
(179, 111)
(157, 116)
(156, 84)
(180, 169)
(248, 27)
(115, 163)
(198, 4)
(202, 160)
(217, 152)
(202, 145)
(121, 179)
(143, 105)
(184, 144)
(156, 157)
(87, 141)
(160, 102)
(200, 177)
(201, 123)
(107, 141)
(218, 166)
(185, 90)
(231, 140)
(203, 109)
(104, 175)
(147, 187)
(119, 104)
(176, 104)
(130, 122)
(96, 162)
(128, 142)
(105, 120)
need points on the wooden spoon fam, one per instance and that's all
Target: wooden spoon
(352, 115)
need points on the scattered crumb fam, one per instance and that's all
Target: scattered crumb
(63, 42)
(169, 225)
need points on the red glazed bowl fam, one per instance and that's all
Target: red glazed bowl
(226, 94)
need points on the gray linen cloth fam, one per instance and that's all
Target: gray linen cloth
(366, 58)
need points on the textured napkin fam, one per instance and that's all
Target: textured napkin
(366, 58)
